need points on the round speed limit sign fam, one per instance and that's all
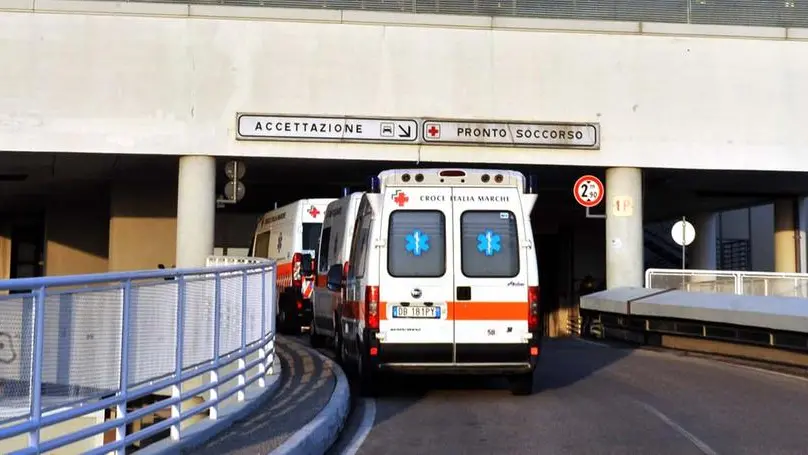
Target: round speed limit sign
(588, 191)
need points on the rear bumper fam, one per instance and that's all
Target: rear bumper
(459, 368)
(448, 358)
(301, 314)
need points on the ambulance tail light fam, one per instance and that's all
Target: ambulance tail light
(452, 173)
(297, 279)
(372, 307)
(533, 308)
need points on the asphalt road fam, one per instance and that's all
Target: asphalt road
(591, 399)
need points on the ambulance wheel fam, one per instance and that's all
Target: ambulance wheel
(317, 341)
(521, 384)
(339, 350)
(367, 377)
(282, 322)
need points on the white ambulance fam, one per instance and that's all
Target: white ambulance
(335, 246)
(289, 235)
(443, 277)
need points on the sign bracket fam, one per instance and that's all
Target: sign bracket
(596, 216)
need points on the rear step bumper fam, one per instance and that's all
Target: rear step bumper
(461, 358)
(459, 368)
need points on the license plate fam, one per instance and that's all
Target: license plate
(419, 312)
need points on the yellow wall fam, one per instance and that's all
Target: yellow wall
(785, 246)
(77, 234)
(143, 225)
(5, 253)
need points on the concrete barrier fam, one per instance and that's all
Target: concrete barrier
(766, 312)
(316, 437)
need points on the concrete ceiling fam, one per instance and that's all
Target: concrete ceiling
(27, 180)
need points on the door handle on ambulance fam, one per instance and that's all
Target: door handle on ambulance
(463, 293)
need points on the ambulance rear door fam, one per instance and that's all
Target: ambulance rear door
(416, 284)
(491, 288)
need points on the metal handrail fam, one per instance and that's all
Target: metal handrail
(263, 346)
(740, 280)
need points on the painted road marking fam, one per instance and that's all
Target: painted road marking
(368, 419)
(707, 450)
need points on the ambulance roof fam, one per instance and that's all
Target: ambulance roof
(452, 177)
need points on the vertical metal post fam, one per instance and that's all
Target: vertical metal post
(684, 236)
(36, 373)
(242, 361)
(689, 9)
(176, 389)
(273, 303)
(720, 253)
(120, 411)
(217, 323)
(262, 351)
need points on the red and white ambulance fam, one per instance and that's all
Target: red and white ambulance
(442, 277)
(290, 235)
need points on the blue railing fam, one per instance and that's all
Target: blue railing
(72, 347)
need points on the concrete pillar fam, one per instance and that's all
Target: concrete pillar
(702, 252)
(785, 244)
(624, 228)
(196, 210)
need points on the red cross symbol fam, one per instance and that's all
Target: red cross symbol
(434, 131)
(314, 212)
(400, 198)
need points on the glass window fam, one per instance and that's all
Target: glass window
(311, 235)
(359, 242)
(261, 249)
(416, 244)
(322, 260)
(489, 245)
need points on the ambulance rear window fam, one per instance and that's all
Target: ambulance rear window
(311, 235)
(490, 244)
(416, 244)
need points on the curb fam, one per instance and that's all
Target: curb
(204, 431)
(317, 436)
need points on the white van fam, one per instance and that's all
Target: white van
(335, 246)
(443, 277)
(289, 236)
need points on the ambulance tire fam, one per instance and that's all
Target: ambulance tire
(368, 380)
(317, 341)
(521, 384)
(337, 342)
(281, 322)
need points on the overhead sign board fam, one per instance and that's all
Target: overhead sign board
(555, 135)
(347, 129)
(417, 131)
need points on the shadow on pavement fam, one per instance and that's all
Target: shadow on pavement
(307, 383)
(563, 363)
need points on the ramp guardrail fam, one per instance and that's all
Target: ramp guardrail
(85, 359)
(728, 281)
